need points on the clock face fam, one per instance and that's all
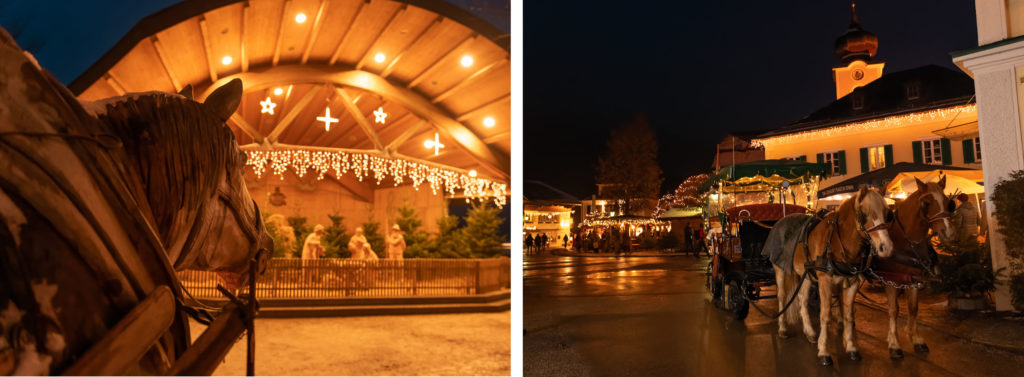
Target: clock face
(858, 74)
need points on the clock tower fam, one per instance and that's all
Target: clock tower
(855, 49)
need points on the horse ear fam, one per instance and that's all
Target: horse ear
(186, 91)
(942, 182)
(224, 101)
(920, 185)
(860, 194)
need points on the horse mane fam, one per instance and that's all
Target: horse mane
(179, 151)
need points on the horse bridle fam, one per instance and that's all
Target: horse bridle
(260, 255)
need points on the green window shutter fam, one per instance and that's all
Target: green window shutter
(820, 157)
(888, 156)
(842, 162)
(918, 156)
(947, 152)
(968, 151)
(863, 160)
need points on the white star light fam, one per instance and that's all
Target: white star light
(436, 144)
(380, 115)
(327, 119)
(268, 106)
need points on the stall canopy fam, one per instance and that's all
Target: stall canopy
(965, 181)
(756, 175)
(879, 178)
(623, 220)
(681, 213)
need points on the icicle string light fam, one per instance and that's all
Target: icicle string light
(894, 121)
(363, 165)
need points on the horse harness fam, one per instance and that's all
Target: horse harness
(827, 262)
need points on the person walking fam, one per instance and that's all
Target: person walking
(965, 219)
(528, 243)
(687, 239)
(565, 241)
(543, 244)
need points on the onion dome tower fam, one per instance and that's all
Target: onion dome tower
(855, 49)
(857, 43)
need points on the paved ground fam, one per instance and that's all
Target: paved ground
(645, 316)
(452, 344)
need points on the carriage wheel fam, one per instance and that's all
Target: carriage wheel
(717, 287)
(738, 303)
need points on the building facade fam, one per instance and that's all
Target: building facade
(997, 66)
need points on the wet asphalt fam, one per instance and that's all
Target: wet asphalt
(652, 316)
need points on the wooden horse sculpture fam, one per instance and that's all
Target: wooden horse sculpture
(913, 259)
(100, 203)
(833, 256)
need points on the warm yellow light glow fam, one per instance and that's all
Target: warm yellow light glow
(268, 106)
(379, 115)
(489, 122)
(472, 173)
(467, 61)
(278, 91)
(225, 60)
(362, 165)
(379, 58)
(895, 121)
(300, 18)
(327, 119)
(436, 144)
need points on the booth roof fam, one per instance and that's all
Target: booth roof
(782, 169)
(879, 178)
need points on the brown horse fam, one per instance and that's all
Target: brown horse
(99, 204)
(834, 248)
(926, 209)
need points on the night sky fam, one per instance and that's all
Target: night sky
(699, 70)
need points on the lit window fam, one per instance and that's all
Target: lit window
(832, 158)
(932, 151)
(977, 149)
(876, 157)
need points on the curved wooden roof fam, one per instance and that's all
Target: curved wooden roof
(352, 56)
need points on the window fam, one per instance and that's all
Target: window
(832, 158)
(876, 158)
(913, 90)
(977, 149)
(932, 151)
(857, 100)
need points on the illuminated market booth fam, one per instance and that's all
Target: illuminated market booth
(350, 107)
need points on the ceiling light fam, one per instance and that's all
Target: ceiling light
(489, 122)
(300, 18)
(225, 60)
(472, 173)
(379, 58)
(278, 91)
(467, 61)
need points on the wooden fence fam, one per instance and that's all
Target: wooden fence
(334, 278)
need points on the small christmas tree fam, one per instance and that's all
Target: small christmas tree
(374, 238)
(450, 241)
(335, 239)
(410, 223)
(301, 231)
(481, 232)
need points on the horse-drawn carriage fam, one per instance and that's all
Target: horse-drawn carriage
(742, 202)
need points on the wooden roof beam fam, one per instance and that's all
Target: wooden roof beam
(162, 56)
(293, 113)
(348, 32)
(385, 128)
(376, 39)
(247, 128)
(470, 113)
(341, 132)
(360, 119)
(391, 65)
(242, 57)
(315, 32)
(432, 67)
(469, 80)
(408, 133)
(280, 33)
(204, 31)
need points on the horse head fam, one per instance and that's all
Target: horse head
(873, 220)
(936, 208)
(190, 172)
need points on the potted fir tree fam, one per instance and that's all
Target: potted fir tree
(966, 275)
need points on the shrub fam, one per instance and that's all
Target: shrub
(301, 231)
(968, 271)
(481, 232)
(410, 223)
(1008, 198)
(335, 239)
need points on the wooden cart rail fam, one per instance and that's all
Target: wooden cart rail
(333, 278)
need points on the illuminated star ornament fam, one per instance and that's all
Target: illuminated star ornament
(327, 119)
(436, 144)
(268, 106)
(380, 115)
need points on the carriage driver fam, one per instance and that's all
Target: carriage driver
(965, 218)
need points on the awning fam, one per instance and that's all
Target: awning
(879, 178)
(765, 172)
(965, 181)
(959, 132)
(681, 213)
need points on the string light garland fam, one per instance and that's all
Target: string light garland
(362, 165)
(611, 221)
(895, 121)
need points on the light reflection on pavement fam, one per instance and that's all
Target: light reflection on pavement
(646, 316)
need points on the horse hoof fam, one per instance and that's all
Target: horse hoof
(854, 355)
(895, 353)
(921, 348)
(825, 360)
(812, 338)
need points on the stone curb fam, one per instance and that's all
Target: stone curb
(1005, 347)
